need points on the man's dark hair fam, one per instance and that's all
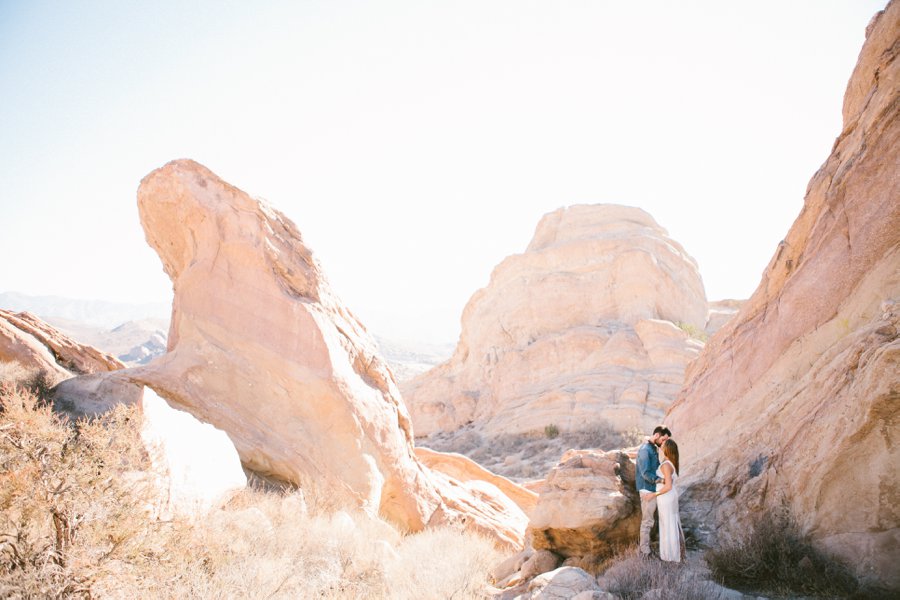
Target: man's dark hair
(662, 431)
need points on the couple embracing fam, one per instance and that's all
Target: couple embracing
(657, 472)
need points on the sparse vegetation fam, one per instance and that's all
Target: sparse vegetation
(631, 577)
(693, 331)
(38, 382)
(528, 455)
(775, 558)
(75, 523)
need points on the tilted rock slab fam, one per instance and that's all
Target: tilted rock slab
(797, 398)
(580, 327)
(465, 469)
(261, 348)
(29, 341)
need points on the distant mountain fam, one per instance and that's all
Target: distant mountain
(134, 342)
(98, 313)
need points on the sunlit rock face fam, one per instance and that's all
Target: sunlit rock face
(580, 327)
(36, 345)
(796, 399)
(262, 349)
(587, 506)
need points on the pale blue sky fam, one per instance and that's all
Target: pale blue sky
(415, 144)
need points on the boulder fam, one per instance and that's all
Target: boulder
(36, 345)
(795, 400)
(578, 328)
(260, 347)
(588, 505)
(564, 583)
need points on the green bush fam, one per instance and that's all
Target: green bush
(693, 332)
(551, 431)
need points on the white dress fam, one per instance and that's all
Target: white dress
(671, 537)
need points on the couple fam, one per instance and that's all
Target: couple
(656, 485)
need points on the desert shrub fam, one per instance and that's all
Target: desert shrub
(551, 431)
(38, 382)
(693, 332)
(774, 557)
(631, 577)
(68, 511)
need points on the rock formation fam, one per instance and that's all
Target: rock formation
(587, 506)
(796, 399)
(35, 345)
(580, 327)
(260, 347)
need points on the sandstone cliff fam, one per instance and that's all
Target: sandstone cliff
(796, 399)
(580, 327)
(260, 347)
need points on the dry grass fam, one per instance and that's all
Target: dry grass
(74, 522)
(38, 382)
(67, 510)
(631, 577)
(775, 558)
(523, 456)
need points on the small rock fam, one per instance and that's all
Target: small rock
(541, 561)
(562, 584)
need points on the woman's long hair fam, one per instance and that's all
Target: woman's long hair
(670, 450)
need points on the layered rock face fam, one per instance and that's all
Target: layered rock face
(260, 347)
(588, 505)
(34, 344)
(579, 327)
(797, 397)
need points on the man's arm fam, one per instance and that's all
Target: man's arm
(644, 466)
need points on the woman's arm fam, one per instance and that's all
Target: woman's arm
(667, 470)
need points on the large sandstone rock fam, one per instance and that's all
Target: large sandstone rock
(797, 397)
(588, 505)
(260, 347)
(36, 345)
(580, 327)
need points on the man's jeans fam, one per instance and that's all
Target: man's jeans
(648, 507)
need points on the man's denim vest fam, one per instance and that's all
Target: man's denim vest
(647, 464)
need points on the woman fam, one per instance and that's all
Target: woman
(671, 537)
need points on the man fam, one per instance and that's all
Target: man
(646, 480)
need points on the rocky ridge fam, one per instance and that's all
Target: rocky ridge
(805, 378)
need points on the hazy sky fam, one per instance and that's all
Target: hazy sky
(415, 144)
